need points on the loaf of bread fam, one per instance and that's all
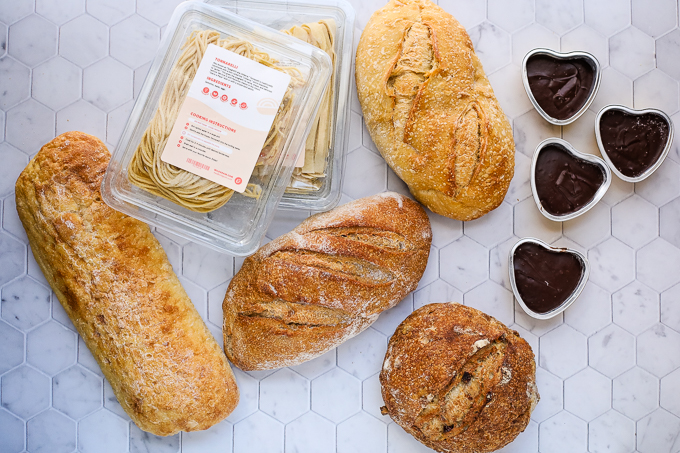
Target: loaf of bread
(431, 111)
(117, 286)
(458, 380)
(309, 290)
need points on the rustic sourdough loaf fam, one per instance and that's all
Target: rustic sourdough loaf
(431, 111)
(309, 290)
(117, 286)
(458, 380)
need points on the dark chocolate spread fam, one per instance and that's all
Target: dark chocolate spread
(545, 278)
(564, 184)
(633, 142)
(561, 87)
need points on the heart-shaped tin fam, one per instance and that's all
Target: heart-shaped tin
(546, 280)
(634, 143)
(565, 182)
(561, 86)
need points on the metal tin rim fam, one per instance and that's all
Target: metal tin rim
(579, 155)
(636, 112)
(574, 295)
(562, 56)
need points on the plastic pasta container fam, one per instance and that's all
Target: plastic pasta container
(282, 15)
(238, 226)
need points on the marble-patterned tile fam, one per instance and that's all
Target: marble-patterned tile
(511, 16)
(537, 327)
(529, 222)
(284, 395)
(432, 269)
(16, 10)
(551, 390)
(157, 11)
(615, 88)
(310, 433)
(12, 352)
(611, 351)
(436, 292)
(60, 13)
(658, 432)
(492, 228)
(444, 229)
(77, 392)
(667, 48)
(563, 433)
(491, 44)
(464, 264)
(508, 88)
(25, 303)
(498, 262)
(636, 307)
(635, 393)
(663, 186)
(102, 432)
(586, 38)
(618, 191)
(86, 359)
(654, 17)
(590, 228)
(247, 434)
(107, 84)
(607, 16)
(670, 314)
(318, 366)
(635, 221)
(25, 392)
(206, 267)
(16, 78)
(84, 40)
(215, 300)
(612, 264)
(219, 438)
(51, 347)
(394, 183)
(669, 397)
(249, 389)
(82, 116)
(367, 142)
(591, 311)
(559, 17)
(587, 394)
(611, 433)
(669, 219)
(110, 11)
(468, 12)
(563, 351)
(369, 176)
(658, 350)
(362, 433)
(134, 41)
(362, 356)
(631, 52)
(520, 186)
(29, 126)
(143, 442)
(32, 40)
(51, 431)
(493, 300)
(371, 398)
(529, 130)
(356, 129)
(12, 432)
(286, 220)
(656, 90)
(389, 320)
(197, 295)
(399, 441)
(581, 134)
(336, 395)
(652, 259)
(56, 72)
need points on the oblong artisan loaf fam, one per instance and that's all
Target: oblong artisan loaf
(117, 286)
(431, 110)
(309, 290)
(458, 380)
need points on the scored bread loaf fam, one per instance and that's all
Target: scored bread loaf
(117, 286)
(458, 380)
(309, 290)
(431, 111)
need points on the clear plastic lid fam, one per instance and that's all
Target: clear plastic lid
(325, 192)
(237, 226)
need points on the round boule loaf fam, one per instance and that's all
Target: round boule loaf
(458, 380)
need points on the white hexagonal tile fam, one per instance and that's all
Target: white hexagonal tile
(29, 126)
(652, 262)
(520, 186)
(51, 431)
(631, 52)
(529, 222)
(667, 49)
(361, 434)
(581, 134)
(15, 10)
(107, 84)
(527, 336)
(102, 432)
(284, 395)
(318, 366)
(526, 441)
(435, 292)
(670, 315)
(371, 397)
(615, 88)
(491, 44)
(636, 308)
(143, 442)
(669, 219)
(568, 243)
(61, 12)
(656, 90)
(552, 395)
(493, 300)
(669, 395)
(205, 266)
(84, 40)
(86, 359)
(11, 432)
(444, 229)
(82, 116)
(355, 128)
(111, 402)
(663, 186)
(612, 264)
(13, 253)
(56, 72)
(399, 441)
(111, 11)
(468, 12)
(368, 175)
(116, 121)
(394, 183)
(587, 394)
(464, 264)
(362, 356)
(635, 221)
(51, 347)
(654, 17)
(559, 17)
(32, 40)
(618, 191)
(563, 351)
(493, 228)
(157, 11)
(219, 437)
(509, 90)
(12, 352)
(658, 350)
(611, 351)
(389, 320)
(248, 388)
(607, 16)
(25, 391)
(563, 433)
(591, 311)
(310, 433)
(215, 299)
(431, 272)
(367, 142)
(16, 81)
(25, 303)
(535, 35)
(134, 41)
(248, 434)
(76, 392)
(498, 263)
(658, 432)
(585, 38)
(611, 432)
(537, 327)
(336, 395)
(590, 228)
(511, 16)
(197, 295)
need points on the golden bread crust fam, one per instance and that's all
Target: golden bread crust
(458, 380)
(431, 111)
(309, 290)
(117, 286)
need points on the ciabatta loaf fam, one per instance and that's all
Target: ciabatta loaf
(309, 290)
(431, 111)
(117, 286)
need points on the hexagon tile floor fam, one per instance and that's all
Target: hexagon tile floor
(609, 367)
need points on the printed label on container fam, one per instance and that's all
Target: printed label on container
(225, 118)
